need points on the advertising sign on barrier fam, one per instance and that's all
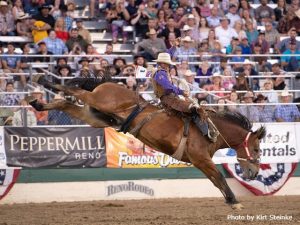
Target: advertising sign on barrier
(125, 151)
(54, 146)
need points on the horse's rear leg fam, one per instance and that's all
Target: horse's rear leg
(210, 170)
(81, 113)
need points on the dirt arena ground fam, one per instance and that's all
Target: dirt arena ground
(206, 211)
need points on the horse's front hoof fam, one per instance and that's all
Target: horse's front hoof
(237, 206)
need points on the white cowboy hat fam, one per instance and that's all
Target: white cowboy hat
(186, 28)
(3, 3)
(38, 90)
(249, 94)
(189, 73)
(164, 58)
(187, 39)
(285, 94)
(216, 75)
(191, 16)
(23, 16)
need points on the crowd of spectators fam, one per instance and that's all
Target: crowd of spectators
(218, 46)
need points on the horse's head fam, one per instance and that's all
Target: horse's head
(248, 153)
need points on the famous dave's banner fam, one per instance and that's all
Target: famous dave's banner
(54, 146)
(125, 151)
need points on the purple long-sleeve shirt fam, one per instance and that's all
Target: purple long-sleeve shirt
(161, 77)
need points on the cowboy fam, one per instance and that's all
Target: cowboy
(168, 93)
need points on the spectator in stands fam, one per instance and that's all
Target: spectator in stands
(238, 27)
(296, 21)
(233, 44)
(281, 10)
(12, 98)
(161, 20)
(287, 113)
(249, 70)
(245, 46)
(140, 21)
(247, 17)
(41, 116)
(76, 39)
(119, 63)
(66, 18)
(225, 33)
(58, 117)
(211, 39)
(271, 35)
(23, 25)
(217, 5)
(55, 45)
(261, 39)
(139, 60)
(279, 82)
(152, 46)
(83, 32)
(216, 52)
(19, 119)
(264, 12)
(214, 19)
(285, 43)
(233, 15)
(270, 94)
(228, 79)
(241, 84)
(245, 5)
(238, 59)
(44, 16)
(78, 51)
(60, 29)
(39, 30)
(170, 28)
(151, 9)
(131, 83)
(233, 99)
(180, 17)
(221, 107)
(85, 70)
(7, 21)
(266, 113)
(294, 5)
(26, 59)
(63, 71)
(31, 7)
(60, 61)
(284, 24)
(43, 51)
(182, 68)
(132, 7)
(12, 64)
(203, 30)
(94, 58)
(291, 63)
(216, 85)
(193, 22)
(205, 70)
(185, 50)
(251, 33)
(118, 16)
(17, 9)
(189, 76)
(71, 9)
(250, 111)
(166, 7)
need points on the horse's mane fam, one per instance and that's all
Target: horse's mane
(236, 118)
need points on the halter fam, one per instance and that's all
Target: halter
(245, 145)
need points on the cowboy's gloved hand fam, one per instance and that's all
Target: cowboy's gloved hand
(203, 114)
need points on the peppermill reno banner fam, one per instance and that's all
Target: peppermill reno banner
(54, 146)
(125, 151)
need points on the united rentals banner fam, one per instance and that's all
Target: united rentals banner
(125, 151)
(54, 147)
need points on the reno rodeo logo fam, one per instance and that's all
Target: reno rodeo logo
(130, 186)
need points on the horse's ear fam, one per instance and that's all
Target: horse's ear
(261, 132)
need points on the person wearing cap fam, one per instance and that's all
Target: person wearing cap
(41, 116)
(23, 25)
(85, 71)
(168, 93)
(213, 20)
(152, 46)
(286, 112)
(250, 111)
(248, 68)
(43, 51)
(291, 63)
(83, 32)
(189, 76)
(76, 39)
(216, 85)
(233, 15)
(193, 22)
(225, 33)
(7, 21)
(185, 50)
(45, 16)
(266, 113)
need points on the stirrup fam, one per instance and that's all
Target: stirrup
(213, 135)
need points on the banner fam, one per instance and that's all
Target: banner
(36, 147)
(270, 179)
(125, 151)
(8, 177)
